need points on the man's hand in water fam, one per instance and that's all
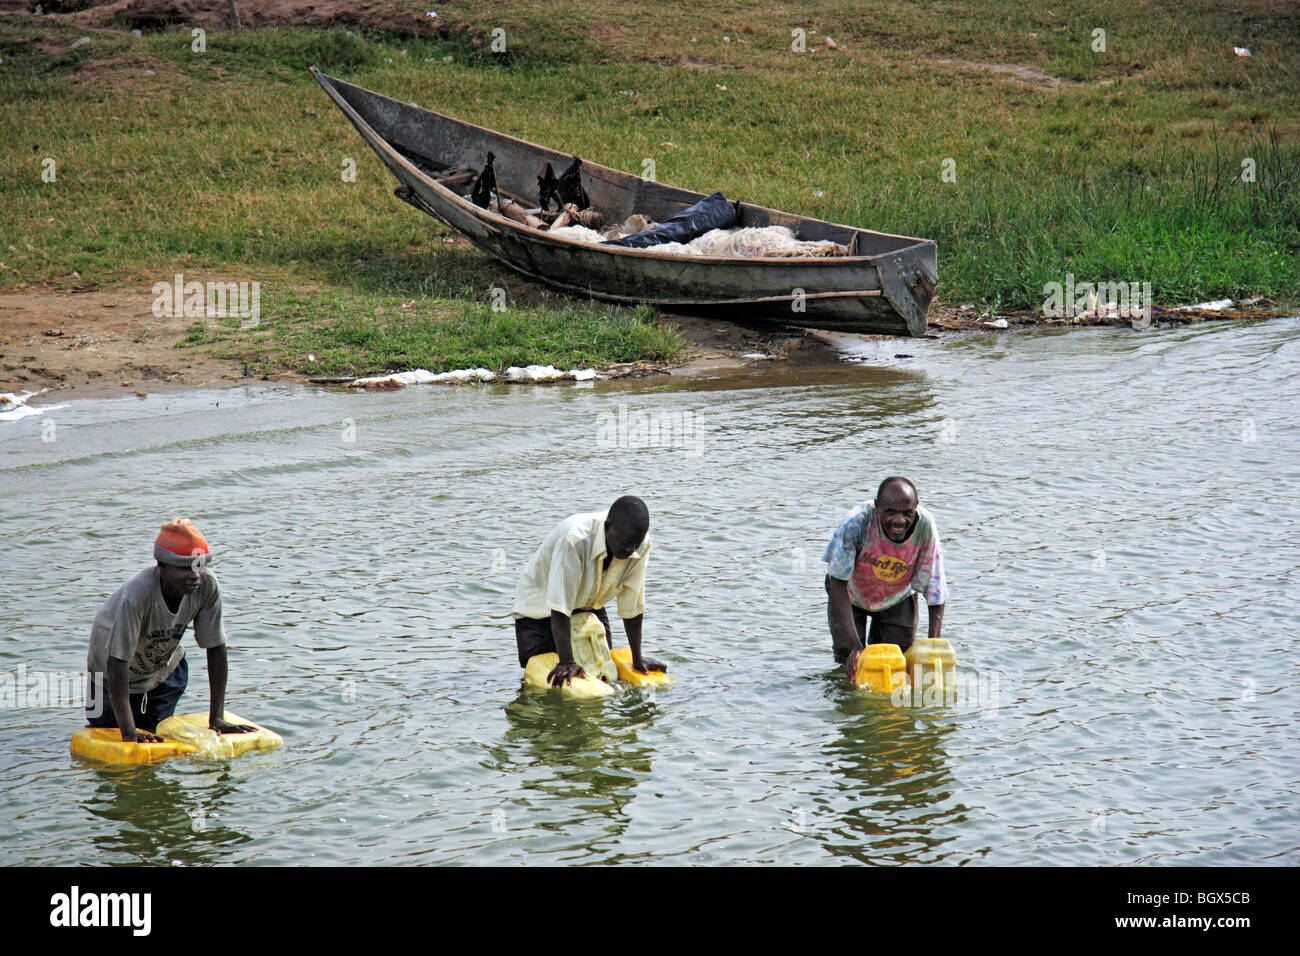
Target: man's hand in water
(851, 664)
(647, 664)
(141, 737)
(221, 727)
(563, 673)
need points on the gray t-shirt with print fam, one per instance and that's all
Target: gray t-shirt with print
(136, 626)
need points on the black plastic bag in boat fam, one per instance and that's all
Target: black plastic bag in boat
(711, 212)
(485, 185)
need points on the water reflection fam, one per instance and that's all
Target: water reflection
(157, 819)
(590, 753)
(893, 783)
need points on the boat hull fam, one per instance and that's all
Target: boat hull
(884, 286)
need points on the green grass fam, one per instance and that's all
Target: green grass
(345, 334)
(227, 163)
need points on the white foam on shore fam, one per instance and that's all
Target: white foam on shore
(547, 373)
(1218, 305)
(18, 411)
(13, 406)
(420, 376)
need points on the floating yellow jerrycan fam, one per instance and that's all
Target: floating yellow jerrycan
(192, 730)
(881, 668)
(590, 652)
(540, 666)
(932, 667)
(105, 743)
(183, 735)
(623, 658)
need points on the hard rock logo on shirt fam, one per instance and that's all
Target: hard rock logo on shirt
(888, 568)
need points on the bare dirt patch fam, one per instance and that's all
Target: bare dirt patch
(695, 63)
(152, 15)
(1028, 75)
(100, 343)
(122, 74)
(605, 32)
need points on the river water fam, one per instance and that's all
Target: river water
(1119, 517)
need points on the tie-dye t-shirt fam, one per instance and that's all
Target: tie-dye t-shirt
(879, 572)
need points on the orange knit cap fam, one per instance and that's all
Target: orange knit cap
(180, 543)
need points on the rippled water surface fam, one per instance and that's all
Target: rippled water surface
(1119, 516)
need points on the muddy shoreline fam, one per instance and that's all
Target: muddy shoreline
(94, 344)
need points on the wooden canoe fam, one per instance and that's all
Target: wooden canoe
(883, 286)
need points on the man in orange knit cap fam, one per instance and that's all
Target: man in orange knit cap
(136, 662)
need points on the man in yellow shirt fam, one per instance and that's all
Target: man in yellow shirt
(585, 562)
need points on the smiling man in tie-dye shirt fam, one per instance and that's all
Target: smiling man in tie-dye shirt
(880, 558)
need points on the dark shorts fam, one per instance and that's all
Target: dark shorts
(152, 708)
(533, 634)
(894, 625)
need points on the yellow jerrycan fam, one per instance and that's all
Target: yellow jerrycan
(105, 743)
(881, 668)
(590, 652)
(192, 731)
(931, 663)
(623, 658)
(582, 688)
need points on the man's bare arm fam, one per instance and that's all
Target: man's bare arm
(566, 669)
(119, 693)
(218, 670)
(839, 614)
(632, 627)
(936, 619)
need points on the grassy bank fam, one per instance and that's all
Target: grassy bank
(998, 131)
